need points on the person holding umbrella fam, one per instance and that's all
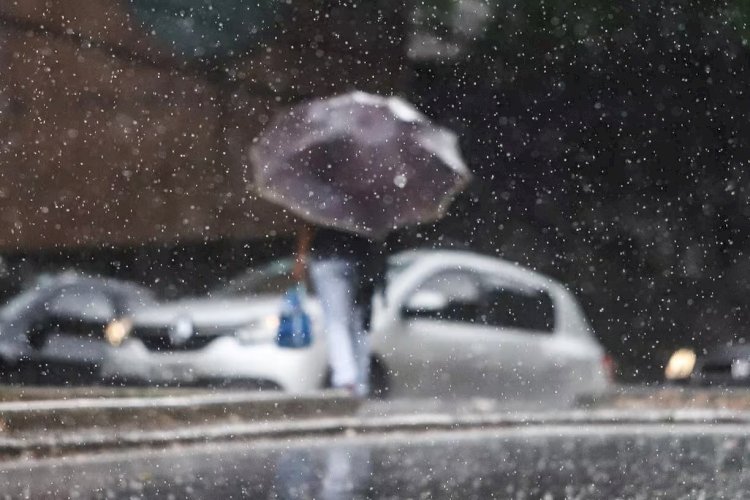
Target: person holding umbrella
(354, 167)
(345, 270)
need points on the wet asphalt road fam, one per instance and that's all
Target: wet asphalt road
(645, 461)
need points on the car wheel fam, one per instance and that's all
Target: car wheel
(5, 372)
(380, 384)
(327, 380)
(379, 381)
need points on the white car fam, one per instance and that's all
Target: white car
(450, 323)
(461, 324)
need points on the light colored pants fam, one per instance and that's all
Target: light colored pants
(336, 281)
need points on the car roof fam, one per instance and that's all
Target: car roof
(510, 269)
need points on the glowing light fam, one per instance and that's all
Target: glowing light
(680, 365)
(116, 331)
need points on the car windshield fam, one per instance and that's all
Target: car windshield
(397, 265)
(272, 278)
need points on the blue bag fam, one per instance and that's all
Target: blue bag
(294, 323)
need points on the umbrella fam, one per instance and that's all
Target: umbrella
(359, 162)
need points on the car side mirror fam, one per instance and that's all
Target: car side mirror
(424, 304)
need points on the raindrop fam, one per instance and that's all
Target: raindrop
(400, 181)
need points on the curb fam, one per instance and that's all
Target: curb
(669, 396)
(91, 440)
(49, 427)
(168, 411)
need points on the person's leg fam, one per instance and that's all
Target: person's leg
(361, 343)
(333, 280)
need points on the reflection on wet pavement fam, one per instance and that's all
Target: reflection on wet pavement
(645, 461)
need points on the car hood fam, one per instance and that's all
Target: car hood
(209, 311)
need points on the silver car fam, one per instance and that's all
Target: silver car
(55, 329)
(450, 323)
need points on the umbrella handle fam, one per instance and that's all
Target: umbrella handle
(304, 240)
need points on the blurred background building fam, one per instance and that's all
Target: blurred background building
(124, 124)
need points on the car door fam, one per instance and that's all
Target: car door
(439, 349)
(469, 332)
(524, 316)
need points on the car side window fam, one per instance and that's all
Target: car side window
(81, 303)
(453, 295)
(470, 297)
(519, 308)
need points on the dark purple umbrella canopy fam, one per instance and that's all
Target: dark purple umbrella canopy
(359, 162)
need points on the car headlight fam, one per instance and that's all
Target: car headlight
(261, 330)
(680, 365)
(116, 331)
